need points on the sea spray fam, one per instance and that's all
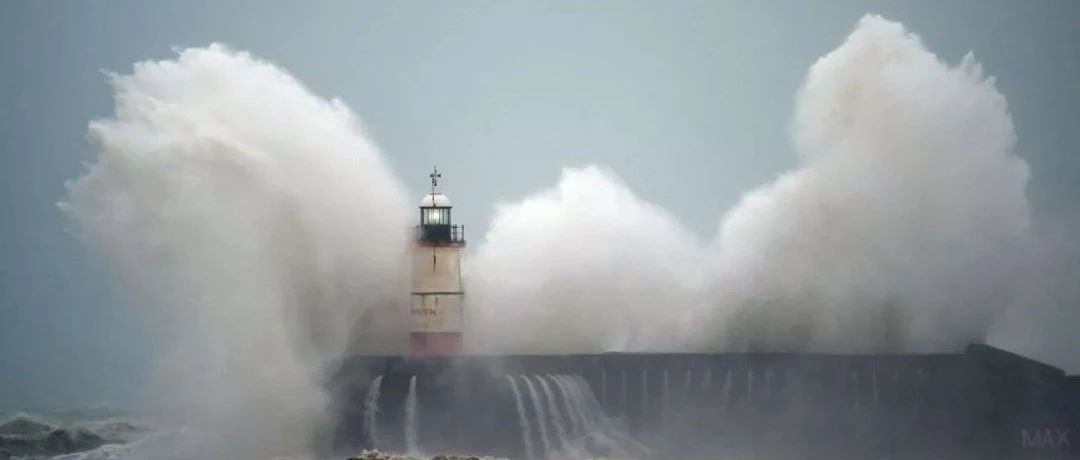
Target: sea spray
(593, 420)
(412, 443)
(602, 430)
(231, 199)
(587, 425)
(523, 419)
(592, 427)
(250, 218)
(599, 428)
(576, 423)
(371, 412)
(904, 227)
(541, 415)
(556, 416)
(590, 397)
(578, 272)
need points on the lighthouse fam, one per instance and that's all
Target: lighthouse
(437, 304)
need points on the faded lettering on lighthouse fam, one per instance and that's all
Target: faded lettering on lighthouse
(436, 308)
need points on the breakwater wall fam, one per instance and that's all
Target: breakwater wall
(982, 401)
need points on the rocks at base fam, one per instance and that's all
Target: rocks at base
(376, 455)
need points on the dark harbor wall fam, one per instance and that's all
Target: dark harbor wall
(983, 403)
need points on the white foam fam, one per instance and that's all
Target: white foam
(904, 228)
(261, 230)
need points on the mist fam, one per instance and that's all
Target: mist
(905, 228)
(264, 236)
(584, 267)
(260, 232)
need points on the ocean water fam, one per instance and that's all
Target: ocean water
(121, 434)
(114, 432)
(129, 436)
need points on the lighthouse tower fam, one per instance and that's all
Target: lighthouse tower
(437, 305)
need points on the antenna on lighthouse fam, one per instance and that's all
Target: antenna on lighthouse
(435, 175)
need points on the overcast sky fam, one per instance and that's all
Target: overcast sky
(688, 101)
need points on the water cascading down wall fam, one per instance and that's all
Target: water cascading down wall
(657, 405)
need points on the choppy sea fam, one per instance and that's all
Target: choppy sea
(89, 434)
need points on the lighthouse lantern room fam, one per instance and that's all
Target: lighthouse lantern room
(437, 304)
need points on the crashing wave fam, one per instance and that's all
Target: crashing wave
(33, 436)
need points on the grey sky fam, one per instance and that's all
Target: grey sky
(688, 101)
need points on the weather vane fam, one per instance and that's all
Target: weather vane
(435, 175)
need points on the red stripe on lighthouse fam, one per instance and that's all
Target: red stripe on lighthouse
(435, 343)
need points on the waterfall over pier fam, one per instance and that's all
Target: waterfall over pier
(661, 405)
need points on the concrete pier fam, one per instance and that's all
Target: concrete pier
(982, 402)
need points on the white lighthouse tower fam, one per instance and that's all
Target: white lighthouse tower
(437, 305)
